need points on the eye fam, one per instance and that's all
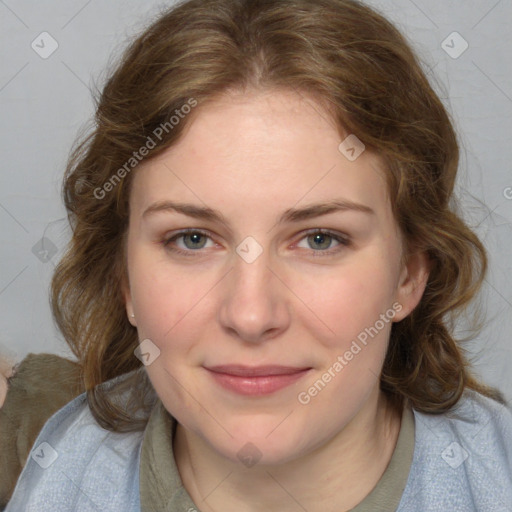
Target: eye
(323, 241)
(188, 241)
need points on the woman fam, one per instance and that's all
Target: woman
(262, 217)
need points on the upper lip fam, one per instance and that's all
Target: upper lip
(255, 371)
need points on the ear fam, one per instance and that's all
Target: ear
(127, 297)
(412, 282)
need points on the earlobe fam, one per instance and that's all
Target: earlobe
(131, 315)
(412, 283)
(127, 296)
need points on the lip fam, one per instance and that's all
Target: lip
(255, 380)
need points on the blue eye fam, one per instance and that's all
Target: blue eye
(188, 241)
(323, 242)
(317, 241)
(320, 241)
(194, 240)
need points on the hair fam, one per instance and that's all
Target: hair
(357, 65)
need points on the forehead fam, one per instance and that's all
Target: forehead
(258, 150)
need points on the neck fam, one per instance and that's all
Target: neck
(335, 476)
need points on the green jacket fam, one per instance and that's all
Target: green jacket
(43, 383)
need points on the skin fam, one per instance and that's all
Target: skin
(6, 372)
(252, 157)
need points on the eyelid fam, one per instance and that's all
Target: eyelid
(334, 234)
(187, 231)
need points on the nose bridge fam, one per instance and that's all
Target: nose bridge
(254, 303)
(252, 278)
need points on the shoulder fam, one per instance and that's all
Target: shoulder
(77, 465)
(30, 400)
(480, 425)
(462, 458)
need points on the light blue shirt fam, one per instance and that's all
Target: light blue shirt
(462, 462)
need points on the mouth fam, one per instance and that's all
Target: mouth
(255, 380)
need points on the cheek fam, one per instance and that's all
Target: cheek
(357, 306)
(350, 300)
(165, 299)
(171, 310)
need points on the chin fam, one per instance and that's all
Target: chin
(260, 442)
(258, 452)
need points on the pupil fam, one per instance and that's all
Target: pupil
(320, 240)
(193, 241)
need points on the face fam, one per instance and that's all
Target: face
(265, 268)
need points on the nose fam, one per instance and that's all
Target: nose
(254, 305)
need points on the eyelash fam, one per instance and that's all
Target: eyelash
(343, 241)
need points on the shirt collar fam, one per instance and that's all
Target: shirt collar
(161, 487)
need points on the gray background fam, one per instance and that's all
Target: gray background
(44, 103)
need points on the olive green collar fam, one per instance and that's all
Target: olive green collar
(161, 488)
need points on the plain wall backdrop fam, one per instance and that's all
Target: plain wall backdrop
(53, 52)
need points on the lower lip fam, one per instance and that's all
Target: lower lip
(254, 386)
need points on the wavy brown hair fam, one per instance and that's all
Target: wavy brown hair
(359, 66)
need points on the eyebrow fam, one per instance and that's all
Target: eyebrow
(290, 215)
